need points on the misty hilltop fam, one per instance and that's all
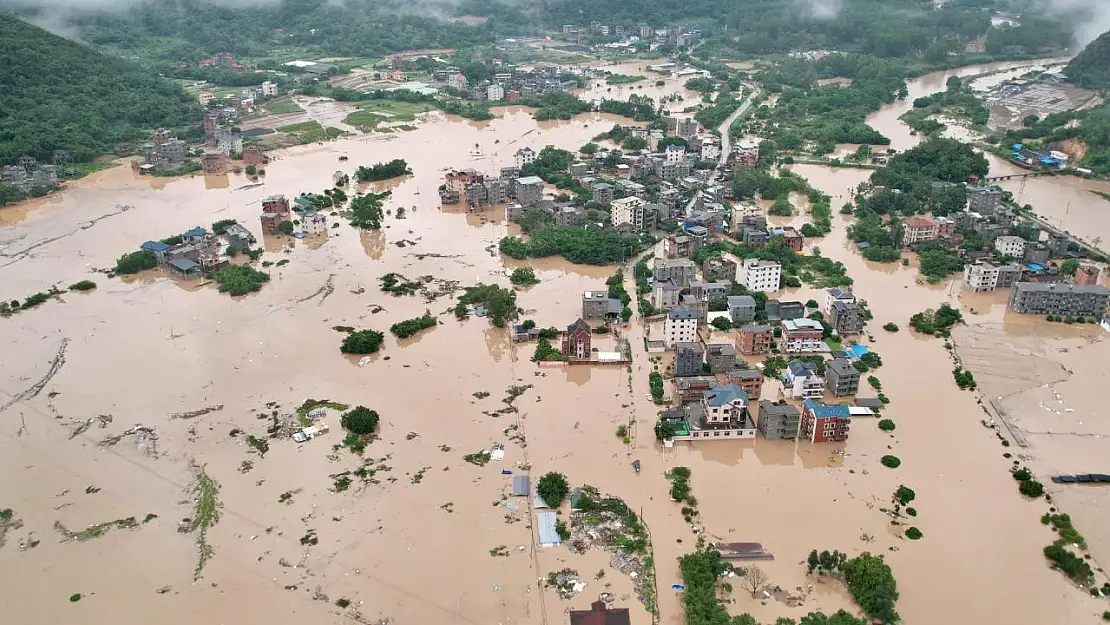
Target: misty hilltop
(1091, 68)
(61, 95)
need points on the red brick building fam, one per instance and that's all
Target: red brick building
(793, 239)
(598, 614)
(750, 380)
(821, 423)
(755, 339)
(576, 341)
(1086, 274)
(253, 156)
(275, 209)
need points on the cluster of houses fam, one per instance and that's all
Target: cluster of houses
(716, 389)
(197, 251)
(29, 174)
(302, 215)
(511, 83)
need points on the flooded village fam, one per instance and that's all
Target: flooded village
(208, 434)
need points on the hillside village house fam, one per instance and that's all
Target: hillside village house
(802, 335)
(821, 423)
(634, 211)
(664, 294)
(981, 276)
(598, 306)
(721, 357)
(681, 326)
(683, 271)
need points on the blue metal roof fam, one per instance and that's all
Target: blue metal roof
(821, 410)
(722, 395)
(154, 246)
(546, 535)
(858, 349)
(195, 232)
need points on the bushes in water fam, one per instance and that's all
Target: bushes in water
(362, 342)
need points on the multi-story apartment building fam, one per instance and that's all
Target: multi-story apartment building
(681, 326)
(778, 421)
(984, 200)
(918, 229)
(751, 380)
(1059, 299)
(634, 211)
(755, 339)
(524, 156)
(821, 423)
(802, 335)
(721, 357)
(688, 358)
(841, 377)
(1010, 246)
(682, 270)
(846, 318)
(760, 275)
(741, 308)
(833, 296)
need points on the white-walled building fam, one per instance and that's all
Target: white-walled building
(832, 296)
(710, 151)
(631, 210)
(205, 97)
(681, 326)
(1011, 246)
(495, 93)
(269, 89)
(760, 275)
(524, 156)
(675, 153)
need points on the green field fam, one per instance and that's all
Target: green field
(283, 106)
(308, 132)
(373, 112)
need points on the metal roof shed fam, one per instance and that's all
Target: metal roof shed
(522, 486)
(546, 535)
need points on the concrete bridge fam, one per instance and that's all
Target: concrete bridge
(1032, 174)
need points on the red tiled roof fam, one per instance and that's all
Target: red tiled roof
(918, 222)
(599, 615)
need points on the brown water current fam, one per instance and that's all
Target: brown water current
(416, 550)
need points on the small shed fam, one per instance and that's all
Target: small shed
(522, 486)
(869, 402)
(185, 267)
(546, 535)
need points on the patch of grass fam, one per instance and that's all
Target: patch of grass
(913, 533)
(890, 462)
(301, 127)
(312, 404)
(278, 107)
(343, 603)
(1062, 524)
(886, 425)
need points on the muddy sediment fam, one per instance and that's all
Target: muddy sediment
(151, 346)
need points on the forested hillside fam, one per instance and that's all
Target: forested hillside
(1091, 68)
(58, 95)
(188, 30)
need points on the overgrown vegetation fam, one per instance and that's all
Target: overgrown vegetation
(937, 322)
(134, 262)
(409, 327)
(869, 580)
(365, 210)
(239, 279)
(382, 171)
(553, 488)
(524, 276)
(498, 302)
(362, 342)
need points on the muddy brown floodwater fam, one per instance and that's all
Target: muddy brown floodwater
(415, 546)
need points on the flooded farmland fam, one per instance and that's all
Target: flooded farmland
(414, 541)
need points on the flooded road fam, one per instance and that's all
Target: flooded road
(145, 348)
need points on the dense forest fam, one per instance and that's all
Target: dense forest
(188, 30)
(59, 95)
(1091, 67)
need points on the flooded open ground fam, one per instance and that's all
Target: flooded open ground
(413, 543)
